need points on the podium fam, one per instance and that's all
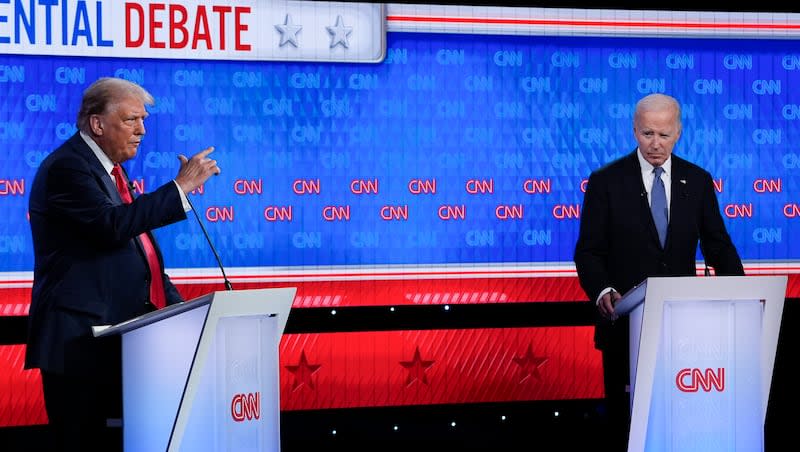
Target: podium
(702, 354)
(203, 375)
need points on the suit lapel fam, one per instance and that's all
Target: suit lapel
(103, 179)
(635, 187)
(110, 186)
(679, 194)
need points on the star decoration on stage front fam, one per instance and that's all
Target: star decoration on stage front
(288, 31)
(303, 372)
(529, 365)
(416, 368)
(339, 33)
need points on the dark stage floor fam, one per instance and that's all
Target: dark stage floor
(529, 426)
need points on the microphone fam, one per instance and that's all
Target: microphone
(228, 285)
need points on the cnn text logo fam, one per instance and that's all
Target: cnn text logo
(690, 380)
(246, 407)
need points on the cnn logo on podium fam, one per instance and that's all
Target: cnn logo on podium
(246, 407)
(691, 380)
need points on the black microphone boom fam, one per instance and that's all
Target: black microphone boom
(228, 285)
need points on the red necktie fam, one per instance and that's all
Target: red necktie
(157, 296)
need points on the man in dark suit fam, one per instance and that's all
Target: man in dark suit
(619, 243)
(96, 262)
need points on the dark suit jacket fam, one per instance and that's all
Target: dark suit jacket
(618, 244)
(89, 267)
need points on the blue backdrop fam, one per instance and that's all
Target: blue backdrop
(455, 149)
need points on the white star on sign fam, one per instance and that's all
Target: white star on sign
(288, 31)
(339, 33)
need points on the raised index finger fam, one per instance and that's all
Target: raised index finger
(205, 152)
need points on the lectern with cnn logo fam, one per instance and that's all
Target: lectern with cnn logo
(702, 355)
(204, 375)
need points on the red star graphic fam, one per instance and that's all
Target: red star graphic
(529, 365)
(416, 368)
(303, 372)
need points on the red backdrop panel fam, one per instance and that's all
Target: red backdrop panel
(21, 401)
(346, 370)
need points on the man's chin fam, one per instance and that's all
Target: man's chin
(131, 154)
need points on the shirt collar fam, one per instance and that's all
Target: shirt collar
(108, 165)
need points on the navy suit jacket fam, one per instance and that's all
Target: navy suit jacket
(89, 266)
(618, 243)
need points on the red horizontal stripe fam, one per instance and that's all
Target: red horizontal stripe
(389, 274)
(597, 23)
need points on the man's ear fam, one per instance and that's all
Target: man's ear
(96, 124)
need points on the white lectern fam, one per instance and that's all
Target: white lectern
(204, 375)
(702, 354)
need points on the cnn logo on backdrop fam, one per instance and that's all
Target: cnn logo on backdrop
(246, 407)
(692, 380)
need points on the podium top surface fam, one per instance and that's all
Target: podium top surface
(276, 301)
(152, 317)
(736, 287)
(631, 298)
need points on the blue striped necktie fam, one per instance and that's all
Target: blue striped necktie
(658, 205)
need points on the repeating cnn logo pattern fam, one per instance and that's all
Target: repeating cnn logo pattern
(691, 380)
(468, 162)
(246, 407)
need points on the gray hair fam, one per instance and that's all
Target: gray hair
(658, 102)
(102, 95)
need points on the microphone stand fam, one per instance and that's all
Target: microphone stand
(228, 285)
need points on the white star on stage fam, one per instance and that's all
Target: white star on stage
(288, 31)
(339, 33)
